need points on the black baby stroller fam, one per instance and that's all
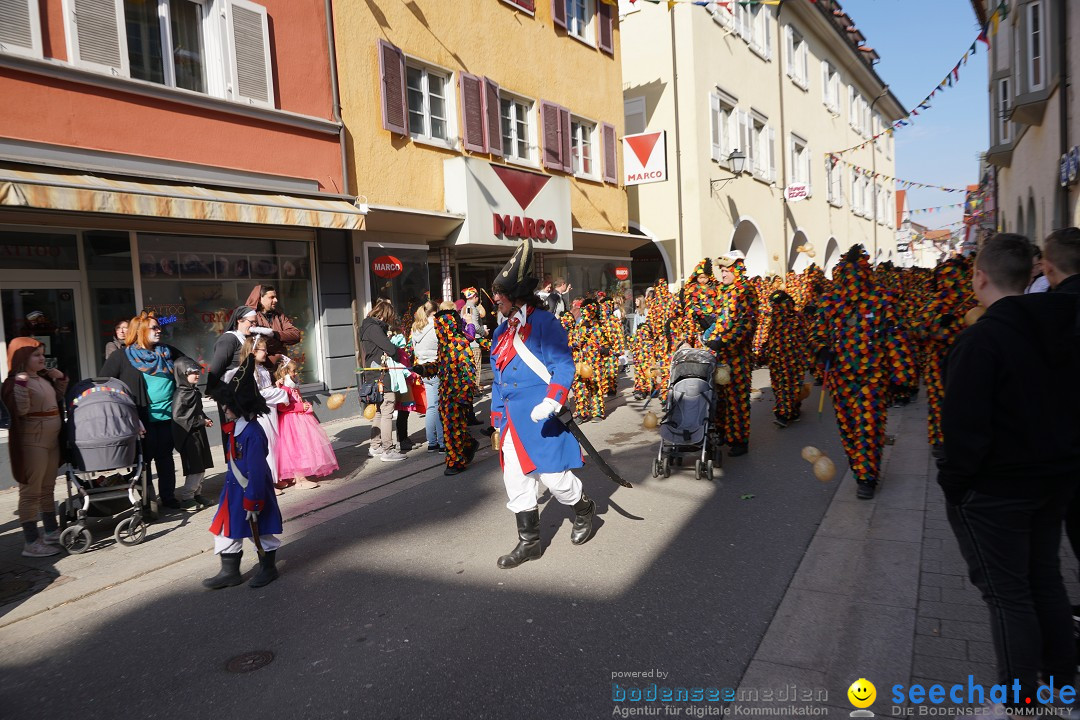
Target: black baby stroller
(687, 426)
(105, 475)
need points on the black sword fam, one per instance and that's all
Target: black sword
(567, 419)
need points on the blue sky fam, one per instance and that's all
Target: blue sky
(919, 42)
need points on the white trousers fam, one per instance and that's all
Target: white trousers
(521, 488)
(230, 545)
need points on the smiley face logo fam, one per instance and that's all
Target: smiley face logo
(862, 693)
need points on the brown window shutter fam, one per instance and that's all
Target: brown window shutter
(564, 128)
(492, 109)
(605, 27)
(611, 162)
(472, 113)
(558, 13)
(529, 5)
(549, 119)
(392, 70)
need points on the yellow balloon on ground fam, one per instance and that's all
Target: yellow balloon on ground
(650, 421)
(369, 412)
(824, 469)
(335, 401)
(810, 453)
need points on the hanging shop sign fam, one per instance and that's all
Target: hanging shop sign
(387, 266)
(645, 158)
(503, 205)
(1069, 167)
(796, 192)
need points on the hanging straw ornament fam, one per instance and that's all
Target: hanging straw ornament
(650, 421)
(335, 401)
(369, 412)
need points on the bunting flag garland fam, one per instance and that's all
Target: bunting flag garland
(951, 77)
(937, 208)
(904, 184)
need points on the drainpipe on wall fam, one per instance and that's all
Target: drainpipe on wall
(1063, 101)
(781, 43)
(332, 47)
(678, 155)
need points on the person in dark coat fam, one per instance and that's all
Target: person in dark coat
(189, 433)
(118, 339)
(227, 353)
(375, 346)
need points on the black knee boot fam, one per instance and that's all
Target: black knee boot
(229, 574)
(267, 570)
(584, 509)
(528, 547)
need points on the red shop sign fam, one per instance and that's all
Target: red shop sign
(622, 273)
(387, 266)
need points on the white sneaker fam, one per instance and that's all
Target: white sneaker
(391, 456)
(40, 549)
(51, 538)
(373, 452)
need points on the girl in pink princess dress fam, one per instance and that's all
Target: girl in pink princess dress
(304, 450)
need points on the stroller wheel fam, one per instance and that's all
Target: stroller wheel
(131, 531)
(698, 469)
(665, 467)
(710, 467)
(76, 539)
(656, 468)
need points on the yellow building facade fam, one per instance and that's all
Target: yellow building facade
(470, 125)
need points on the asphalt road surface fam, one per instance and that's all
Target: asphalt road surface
(397, 609)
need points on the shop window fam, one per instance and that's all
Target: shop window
(112, 299)
(426, 89)
(401, 275)
(194, 284)
(38, 251)
(588, 275)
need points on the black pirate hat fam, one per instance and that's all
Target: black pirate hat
(516, 280)
(241, 394)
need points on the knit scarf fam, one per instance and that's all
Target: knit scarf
(155, 361)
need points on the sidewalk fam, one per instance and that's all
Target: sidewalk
(882, 593)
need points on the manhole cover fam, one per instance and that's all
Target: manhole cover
(249, 661)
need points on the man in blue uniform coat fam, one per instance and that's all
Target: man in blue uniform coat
(247, 499)
(532, 371)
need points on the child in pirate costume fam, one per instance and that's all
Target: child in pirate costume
(731, 337)
(248, 507)
(857, 319)
(787, 355)
(532, 371)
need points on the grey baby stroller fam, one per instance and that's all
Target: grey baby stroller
(687, 429)
(105, 474)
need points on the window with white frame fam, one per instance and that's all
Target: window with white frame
(879, 202)
(723, 14)
(515, 114)
(176, 43)
(762, 145)
(854, 108)
(20, 28)
(858, 196)
(581, 146)
(723, 126)
(428, 113)
(834, 177)
(634, 115)
(742, 21)
(759, 32)
(1004, 98)
(1036, 46)
(830, 86)
(798, 58)
(800, 161)
(579, 19)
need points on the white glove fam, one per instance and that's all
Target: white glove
(544, 410)
(252, 516)
(261, 331)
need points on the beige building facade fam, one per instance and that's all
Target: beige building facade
(469, 128)
(783, 87)
(1034, 130)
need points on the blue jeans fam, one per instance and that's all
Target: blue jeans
(432, 421)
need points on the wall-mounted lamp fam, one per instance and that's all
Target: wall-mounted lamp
(737, 158)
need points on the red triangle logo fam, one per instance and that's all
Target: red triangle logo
(524, 186)
(643, 145)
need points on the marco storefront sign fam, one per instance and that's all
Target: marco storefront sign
(502, 205)
(387, 266)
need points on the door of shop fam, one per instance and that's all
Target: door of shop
(50, 313)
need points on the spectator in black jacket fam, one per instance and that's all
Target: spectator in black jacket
(1012, 461)
(376, 346)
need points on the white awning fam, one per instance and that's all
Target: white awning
(75, 192)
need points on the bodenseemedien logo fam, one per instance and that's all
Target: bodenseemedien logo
(862, 694)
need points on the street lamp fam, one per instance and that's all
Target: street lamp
(873, 165)
(737, 158)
